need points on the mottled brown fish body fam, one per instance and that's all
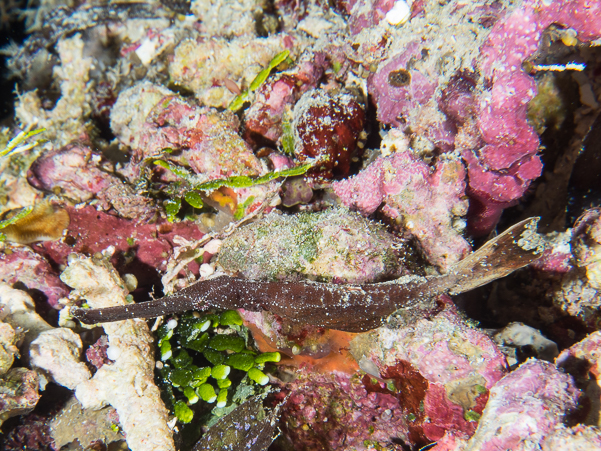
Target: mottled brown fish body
(352, 308)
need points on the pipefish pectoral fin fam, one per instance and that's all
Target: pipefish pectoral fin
(515, 248)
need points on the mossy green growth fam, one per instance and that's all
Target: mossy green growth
(220, 371)
(172, 207)
(258, 376)
(287, 137)
(20, 143)
(268, 357)
(190, 190)
(481, 389)
(470, 415)
(242, 362)
(206, 359)
(194, 199)
(207, 393)
(334, 244)
(20, 215)
(227, 343)
(183, 412)
(241, 98)
(252, 250)
(230, 318)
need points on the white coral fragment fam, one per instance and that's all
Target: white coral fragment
(399, 14)
(8, 348)
(128, 383)
(127, 124)
(18, 309)
(52, 352)
(66, 121)
(57, 353)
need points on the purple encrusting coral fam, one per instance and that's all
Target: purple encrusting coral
(80, 174)
(426, 202)
(442, 368)
(263, 119)
(503, 168)
(208, 140)
(524, 408)
(480, 108)
(139, 248)
(338, 411)
(34, 272)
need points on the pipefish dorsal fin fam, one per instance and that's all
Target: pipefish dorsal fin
(515, 248)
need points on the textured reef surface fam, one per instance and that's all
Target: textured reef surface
(288, 165)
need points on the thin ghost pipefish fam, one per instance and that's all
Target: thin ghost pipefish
(347, 307)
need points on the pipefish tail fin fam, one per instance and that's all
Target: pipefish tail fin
(515, 248)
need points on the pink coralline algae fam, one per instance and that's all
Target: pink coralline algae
(207, 66)
(263, 119)
(428, 202)
(524, 408)
(577, 438)
(398, 90)
(80, 174)
(205, 139)
(442, 368)
(68, 171)
(209, 139)
(96, 354)
(19, 392)
(364, 14)
(557, 257)
(32, 270)
(490, 110)
(415, 113)
(33, 432)
(339, 412)
(140, 248)
(501, 170)
(582, 360)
